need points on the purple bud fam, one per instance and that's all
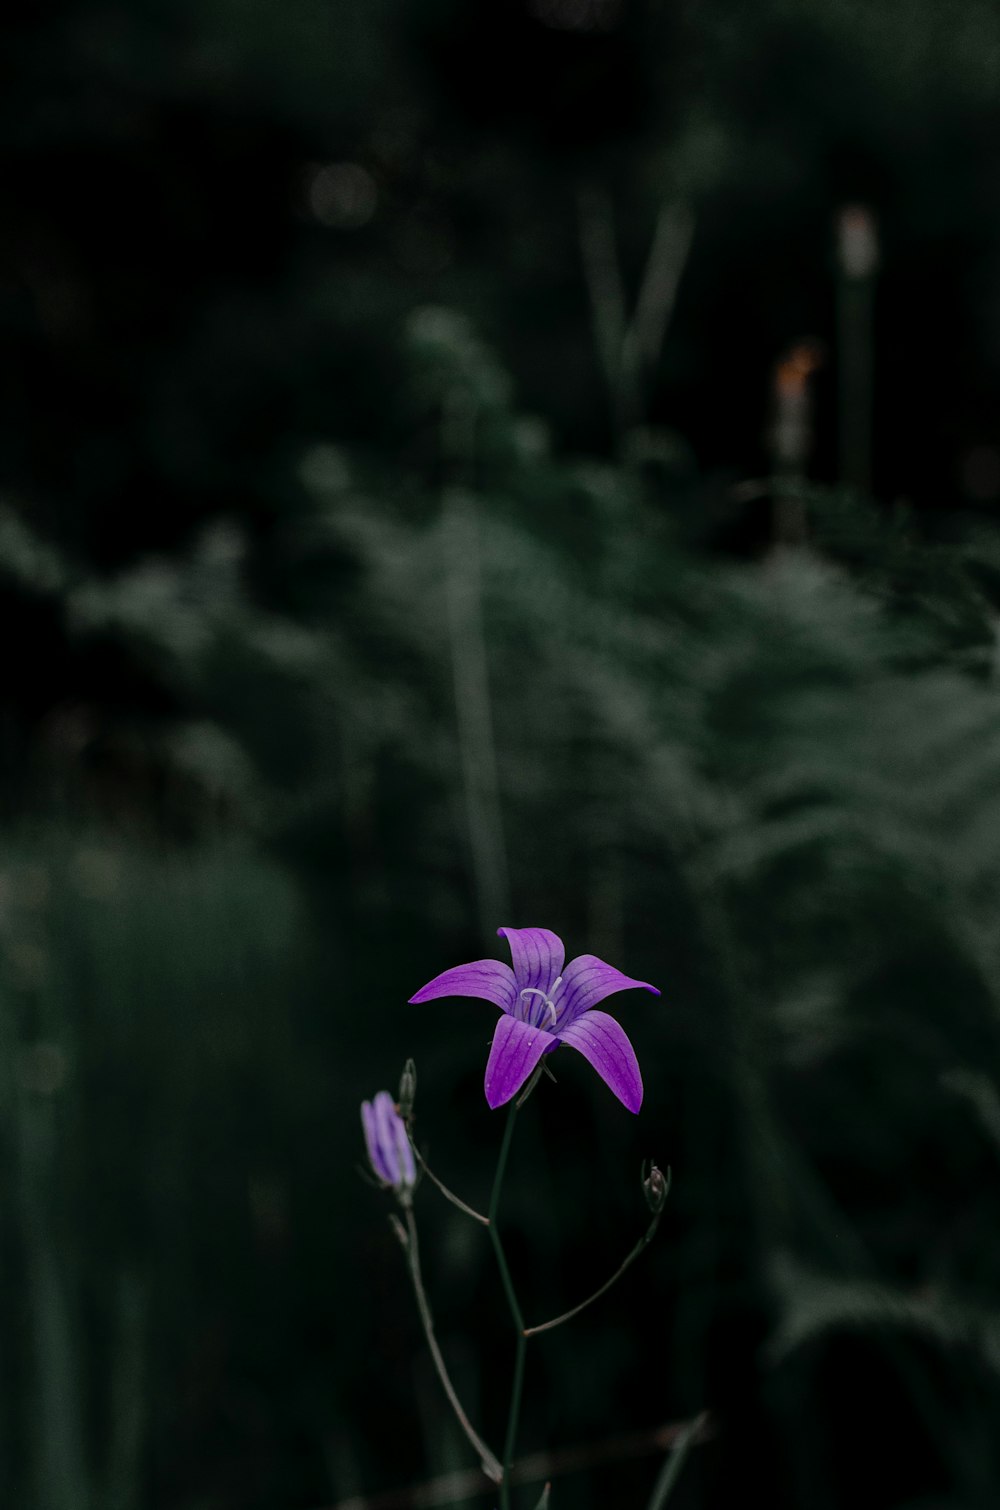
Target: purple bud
(656, 1188)
(389, 1151)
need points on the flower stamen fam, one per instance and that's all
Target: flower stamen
(551, 1014)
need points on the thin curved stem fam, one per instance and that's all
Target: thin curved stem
(547, 1326)
(515, 1311)
(491, 1466)
(449, 1195)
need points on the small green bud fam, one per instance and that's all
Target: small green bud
(407, 1090)
(655, 1187)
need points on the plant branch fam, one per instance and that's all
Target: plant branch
(644, 1241)
(491, 1467)
(449, 1195)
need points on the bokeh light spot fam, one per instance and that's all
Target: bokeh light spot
(577, 15)
(342, 196)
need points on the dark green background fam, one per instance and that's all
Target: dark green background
(284, 464)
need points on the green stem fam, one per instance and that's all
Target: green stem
(854, 358)
(491, 1466)
(515, 1311)
(547, 1326)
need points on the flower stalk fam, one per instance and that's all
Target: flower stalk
(449, 1195)
(515, 1311)
(644, 1241)
(656, 1191)
(408, 1241)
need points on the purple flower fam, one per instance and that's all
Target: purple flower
(544, 1006)
(389, 1148)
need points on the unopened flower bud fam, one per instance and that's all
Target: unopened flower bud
(389, 1151)
(656, 1188)
(407, 1090)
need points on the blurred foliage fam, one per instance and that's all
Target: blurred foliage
(371, 577)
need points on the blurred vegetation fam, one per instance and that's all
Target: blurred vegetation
(424, 508)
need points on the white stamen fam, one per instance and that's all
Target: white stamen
(550, 1008)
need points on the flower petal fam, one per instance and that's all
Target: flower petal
(379, 1138)
(587, 981)
(404, 1153)
(393, 1146)
(603, 1043)
(538, 956)
(487, 978)
(371, 1142)
(517, 1048)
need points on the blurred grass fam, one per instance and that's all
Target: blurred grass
(146, 1026)
(453, 673)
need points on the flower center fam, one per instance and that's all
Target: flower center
(547, 1008)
